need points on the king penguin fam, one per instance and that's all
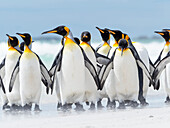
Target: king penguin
(126, 79)
(71, 62)
(10, 61)
(164, 78)
(90, 88)
(31, 70)
(142, 53)
(103, 49)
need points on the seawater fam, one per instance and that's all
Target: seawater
(47, 50)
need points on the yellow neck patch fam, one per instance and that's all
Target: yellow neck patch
(27, 49)
(12, 49)
(123, 49)
(134, 42)
(167, 43)
(84, 43)
(67, 30)
(115, 44)
(106, 44)
(69, 41)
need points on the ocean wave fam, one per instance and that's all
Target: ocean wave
(47, 50)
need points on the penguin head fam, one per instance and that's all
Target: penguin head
(123, 44)
(166, 30)
(164, 34)
(12, 41)
(127, 38)
(77, 40)
(26, 37)
(117, 34)
(61, 30)
(104, 33)
(86, 37)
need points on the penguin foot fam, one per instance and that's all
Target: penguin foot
(66, 106)
(111, 104)
(99, 104)
(134, 104)
(87, 103)
(37, 108)
(15, 107)
(92, 106)
(121, 105)
(79, 107)
(167, 100)
(6, 107)
(143, 101)
(59, 106)
(27, 107)
(128, 102)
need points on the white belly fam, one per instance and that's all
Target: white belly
(110, 86)
(10, 63)
(126, 75)
(164, 78)
(72, 76)
(30, 78)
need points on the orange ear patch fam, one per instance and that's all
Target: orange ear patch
(67, 29)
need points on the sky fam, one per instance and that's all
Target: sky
(134, 17)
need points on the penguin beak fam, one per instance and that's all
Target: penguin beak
(122, 51)
(159, 33)
(9, 37)
(100, 30)
(20, 35)
(50, 31)
(111, 32)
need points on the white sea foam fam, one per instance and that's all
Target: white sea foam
(48, 50)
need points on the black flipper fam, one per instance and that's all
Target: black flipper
(104, 72)
(142, 65)
(45, 83)
(101, 59)
(152, 68)
(14, 75)
(91, 69)
(56, 61)
(98, 47)
(98, 68)
(56, 67)
(45, 75)
(2, 85)
(159, 58)
(158, 70)
(140, 77)
(140, 72)
(2, 68)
